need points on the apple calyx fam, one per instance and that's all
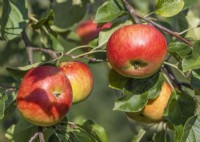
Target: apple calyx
(138, 64)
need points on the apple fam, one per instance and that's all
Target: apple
(136, 51)
(154, 109)
(44, 96)
(80, 77)
(88, 30)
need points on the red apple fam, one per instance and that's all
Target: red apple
(44, 96)
(88, 30)
(136, 51)
(80, 77)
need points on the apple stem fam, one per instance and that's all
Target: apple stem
(135, 14)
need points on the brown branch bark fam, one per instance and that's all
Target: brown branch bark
(28, 45)
(132, 12)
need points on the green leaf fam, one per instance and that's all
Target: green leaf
(67, 14)
(9, 133)
(55, 43)
(47, 20)
(193, 61)
(195, 80)
(3, 98)
(169, 8)
(137, 92)
(109, 11)
(178, 130)
(96, 130)
(180, 49)
(21, 71)
(23, 131)
(87, 131)
(191, 131)
(116, 81)
(180, 107)
(14, 18)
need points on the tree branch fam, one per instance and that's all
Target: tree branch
(156, 24)
(167, 70)
(39, 134)
(28, 45)
(132, 12)
(8, 87)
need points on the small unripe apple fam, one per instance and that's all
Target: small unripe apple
(154, 109)
(88, 30)
(80, 77)
(136, 51)
(44, 96)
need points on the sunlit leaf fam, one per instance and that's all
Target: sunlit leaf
(3, 98)
(168, 8)
(193, 61)
(180, 49)
(191, 131)
(14, 18)
(109, 11)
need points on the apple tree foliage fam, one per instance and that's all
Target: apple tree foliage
(46, 31)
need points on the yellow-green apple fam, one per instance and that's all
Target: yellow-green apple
(154, 109)
(88, 30)
(80, 77)
(44, 96)
(136, 51)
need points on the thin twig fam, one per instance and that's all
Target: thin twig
(28, 45)
(41, 134)
(158, 25)
(132, 12)
(167, 70)
(34, 137)
(6, 86)
(50, 52)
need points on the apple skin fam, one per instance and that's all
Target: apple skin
(44, 96)
(154, 109)
(80, 77)
(88, 30)
(136, 51)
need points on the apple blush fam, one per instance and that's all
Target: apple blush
(44, 96)
(136, 51)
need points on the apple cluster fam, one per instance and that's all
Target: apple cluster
(46, 93)
(138, 51)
